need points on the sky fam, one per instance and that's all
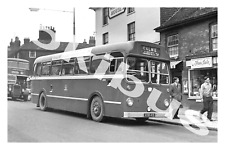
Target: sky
(19, 21)
(25, 23)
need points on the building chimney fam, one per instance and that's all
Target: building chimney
(14, 45)
(17, 42)
(92, 40)
(85, 41)
(26, 40)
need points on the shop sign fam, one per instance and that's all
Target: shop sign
(114, 11)
(201, 62)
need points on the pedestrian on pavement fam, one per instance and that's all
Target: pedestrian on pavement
(175, 93)
(206, 95)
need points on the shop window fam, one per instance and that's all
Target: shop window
(214, 35)
(105, 38)
(131, 31)
(105, 16)
(197, 79)
(172, 45)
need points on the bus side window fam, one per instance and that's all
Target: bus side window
(119, 61)
(115, 62)
(45, 68)
(68, 67)
(56, 67)
(112, 65)
(85, 62)
(95, 61)
(76, 67)
(37, 69)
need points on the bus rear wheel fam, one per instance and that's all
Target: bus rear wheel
(43, 102)
(97, 109)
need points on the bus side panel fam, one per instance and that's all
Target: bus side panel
(76, 93)
(54, 89)
(73, 94)
(84, 88)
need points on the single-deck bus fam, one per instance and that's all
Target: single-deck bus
(17, 78)
(117, 80)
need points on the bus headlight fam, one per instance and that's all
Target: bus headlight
(166, 102)
(130, 101)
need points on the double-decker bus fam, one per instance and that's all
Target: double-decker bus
(115, 80)
(17, 78)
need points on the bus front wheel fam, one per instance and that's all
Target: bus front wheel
(43, 102)
(97, 109)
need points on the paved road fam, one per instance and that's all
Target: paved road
(27, 123)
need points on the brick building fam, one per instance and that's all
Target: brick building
(190, 37)
(30, 51)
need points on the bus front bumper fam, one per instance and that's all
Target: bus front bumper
(145, 114)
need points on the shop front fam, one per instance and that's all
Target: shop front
(198, 68)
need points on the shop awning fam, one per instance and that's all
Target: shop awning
(174, 63)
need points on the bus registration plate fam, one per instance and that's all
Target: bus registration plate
(149, 115)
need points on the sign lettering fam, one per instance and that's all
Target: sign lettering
(201, 62)
(114, 11)
(152, 51)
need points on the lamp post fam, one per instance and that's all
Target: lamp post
(37, 9)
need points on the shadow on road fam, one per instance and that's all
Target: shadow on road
(107, 120)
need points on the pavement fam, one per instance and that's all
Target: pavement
(191, 118)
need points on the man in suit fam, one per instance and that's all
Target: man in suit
(175, 93)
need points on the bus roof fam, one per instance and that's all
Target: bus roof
(126, 47)
(18, 59)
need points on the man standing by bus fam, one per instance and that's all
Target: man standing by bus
(175, 93)
(206, 94)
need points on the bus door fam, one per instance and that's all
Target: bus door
(159, 76)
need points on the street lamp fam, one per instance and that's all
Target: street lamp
(37, 9)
